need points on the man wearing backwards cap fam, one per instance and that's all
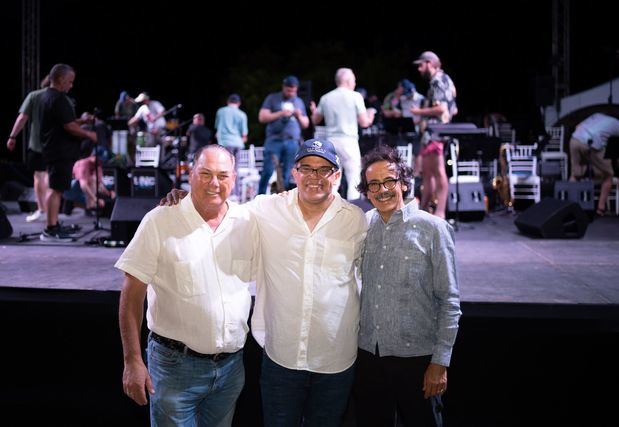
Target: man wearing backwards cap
(441, 108)
(306, 315)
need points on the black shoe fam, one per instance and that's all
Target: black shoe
(56, 234)
(71, 229)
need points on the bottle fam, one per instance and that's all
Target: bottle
(140, 140)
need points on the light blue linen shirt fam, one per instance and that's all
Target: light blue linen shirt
(410, 303)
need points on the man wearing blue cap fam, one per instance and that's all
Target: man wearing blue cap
(306, 315)
(285, 115)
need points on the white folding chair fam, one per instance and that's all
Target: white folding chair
(524, 183)
(147, 156)
(249, 183)
(464, 171)
(553, 151)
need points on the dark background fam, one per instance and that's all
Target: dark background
(197, 53)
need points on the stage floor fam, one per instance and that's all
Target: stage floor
(499, 268)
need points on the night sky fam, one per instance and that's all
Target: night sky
(197, 54)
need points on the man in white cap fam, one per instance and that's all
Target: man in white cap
(152, 113)
(441, 107)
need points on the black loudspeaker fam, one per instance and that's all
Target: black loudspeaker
(27, 201)
(117, 179)
(471, 201)
(127, 214)
(580, 192)
(6, 230)
(553, 219)
(149, 182)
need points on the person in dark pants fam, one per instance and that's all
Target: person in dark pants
(410, 304)
(61, 135)
(285, 115)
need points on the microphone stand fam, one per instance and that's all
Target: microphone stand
(97, 223)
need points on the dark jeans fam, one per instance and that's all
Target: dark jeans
(284, 151)
(384, 384)
(292, 398)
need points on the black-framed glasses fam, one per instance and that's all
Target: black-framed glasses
(323, 171)
(389, 184)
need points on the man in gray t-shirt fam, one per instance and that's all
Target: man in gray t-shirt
(285, 115)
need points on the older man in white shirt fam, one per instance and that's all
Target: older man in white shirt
(194, 263)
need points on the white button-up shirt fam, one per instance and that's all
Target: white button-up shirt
(198, 278)
(307, 305)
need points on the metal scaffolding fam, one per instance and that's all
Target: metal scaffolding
(30, 47)
(560, 50)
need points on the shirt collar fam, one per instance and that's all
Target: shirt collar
(192, 214)
(406, 213)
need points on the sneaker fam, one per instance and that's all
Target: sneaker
(55, 234)
(34, 216)
(70, 229)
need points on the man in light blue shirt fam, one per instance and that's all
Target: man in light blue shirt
(231, 131)
(231, 125)
(410, 304)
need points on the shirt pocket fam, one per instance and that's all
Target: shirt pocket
(338, 258)
(190, 278)
(409, 265)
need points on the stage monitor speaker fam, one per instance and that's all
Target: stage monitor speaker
(553, 219)
(117, 179)
(127, 214)
(471, 201)
(149, 182)
(580, 192)
(6, 229)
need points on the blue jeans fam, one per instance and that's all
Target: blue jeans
(293, 398)
(284, 151)
(193, 391)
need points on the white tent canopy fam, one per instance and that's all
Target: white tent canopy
(595, 95)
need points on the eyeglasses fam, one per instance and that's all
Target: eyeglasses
(389, 184)
(323, 171)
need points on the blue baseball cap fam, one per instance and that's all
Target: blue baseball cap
(408, 86)
(291, 81)
(318, 147)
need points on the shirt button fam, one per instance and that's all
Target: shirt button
(386, 228)
(377, 327)
(376, 306)
(405, 257)
(378, 286)
(384, 246)
(414, 226)
(381, 267)
(408, 344)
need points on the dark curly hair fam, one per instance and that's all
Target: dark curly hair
(390, 155)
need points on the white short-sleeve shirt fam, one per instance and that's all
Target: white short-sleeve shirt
(340, 109)
(198, 278)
